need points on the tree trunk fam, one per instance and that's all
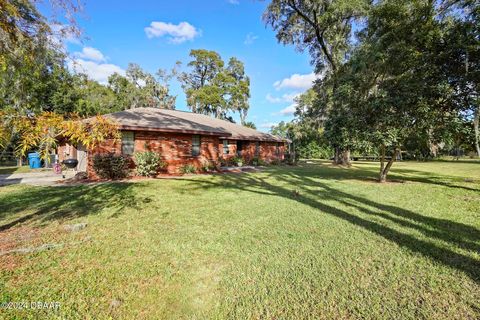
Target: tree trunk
(382, 163)
(293, 152)
(45, 161)
(476, 120)
(385, 169)
(342, 157)
(345, 158)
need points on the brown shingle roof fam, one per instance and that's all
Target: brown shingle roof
(154, 119)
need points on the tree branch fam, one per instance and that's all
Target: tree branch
(318, 33)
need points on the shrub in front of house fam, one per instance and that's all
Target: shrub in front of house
(148, 163)
(208, 166)
(110, 166)
(256, 161)
(224, 162)
(275, 162)
(238, 161)
(188, 168)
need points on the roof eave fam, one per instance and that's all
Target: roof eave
(253, 138)
(151, 129)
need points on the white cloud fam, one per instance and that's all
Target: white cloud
(250, 39)
(177, 33)
(92, 62)
(268, 125)
(233, 1)
(288, 110)
(95, 70)
(273, 99)
(287, 97)
(89, 53)
(296, 81)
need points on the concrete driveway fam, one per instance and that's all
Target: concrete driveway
(42, 178)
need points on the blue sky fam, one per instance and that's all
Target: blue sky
(116, 34)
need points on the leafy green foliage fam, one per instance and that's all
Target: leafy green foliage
(313, 150)
(110, 166)
(148, 163)
(208, 166)
(238, 161)
(188, 169)
(306, 131)
(213, 89)
(139, 88)
(31, 53)
(250, 124)
(408, 79)
(394, 88)
(323, 27)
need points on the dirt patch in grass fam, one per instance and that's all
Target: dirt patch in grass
(14, 238)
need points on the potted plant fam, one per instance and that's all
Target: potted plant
(238, 161)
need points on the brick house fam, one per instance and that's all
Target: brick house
(180, 138)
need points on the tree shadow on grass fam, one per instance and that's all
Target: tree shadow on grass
(442, 239)
(46, 204)
(365, 172)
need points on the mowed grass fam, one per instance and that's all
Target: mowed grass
(14, 169)
(306, 242)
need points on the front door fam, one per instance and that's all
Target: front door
(239, 148)
(82, 158)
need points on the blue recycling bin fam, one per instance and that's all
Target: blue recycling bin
(34, 160)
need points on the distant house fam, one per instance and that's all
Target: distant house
(180, 138)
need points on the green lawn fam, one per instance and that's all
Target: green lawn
(306, 242)
(13, 169)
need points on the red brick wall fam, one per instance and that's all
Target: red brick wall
(267, 150)
(175, 150)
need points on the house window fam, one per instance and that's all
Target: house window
(128, 142)
(225, 147)
(257, 149)
(195, 145)
(277, 149)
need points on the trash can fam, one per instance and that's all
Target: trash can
(34, 160)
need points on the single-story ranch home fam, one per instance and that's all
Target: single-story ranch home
(181, 138)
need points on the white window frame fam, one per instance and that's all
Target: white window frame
(128, 142)
(226, 147)
(196, 148)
